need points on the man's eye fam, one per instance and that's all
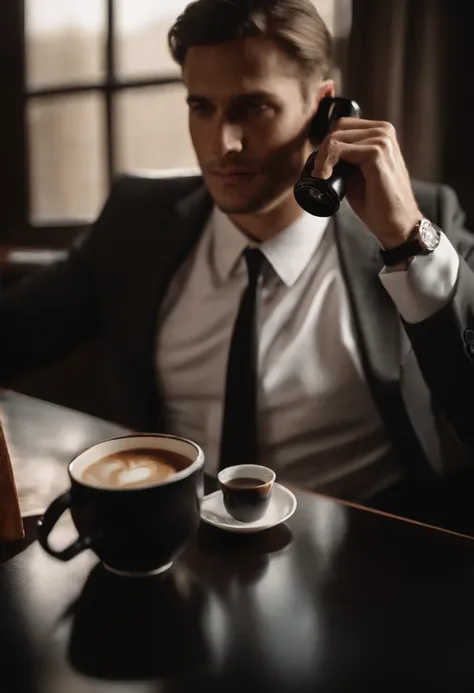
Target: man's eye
(248, 110)
(257, 107)
(201, 109)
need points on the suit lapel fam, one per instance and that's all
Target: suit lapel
(381, 338)
(173, 230)
(376, 319)
(178, 232)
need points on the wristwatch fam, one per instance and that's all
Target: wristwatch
(424, 238)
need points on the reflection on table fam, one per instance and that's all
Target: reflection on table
(42, 439)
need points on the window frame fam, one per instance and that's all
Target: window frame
(16, 225)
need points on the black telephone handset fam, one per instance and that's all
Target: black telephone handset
(317, 196)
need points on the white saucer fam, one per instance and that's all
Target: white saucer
(282, 506)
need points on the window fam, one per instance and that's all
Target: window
(102, 96)
(91, 91)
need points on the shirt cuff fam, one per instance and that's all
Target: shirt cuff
(427, 285)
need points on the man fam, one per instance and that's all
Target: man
(359, 365)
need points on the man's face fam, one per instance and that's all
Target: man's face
(248, 121)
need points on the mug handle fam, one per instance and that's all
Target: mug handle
(46, 524)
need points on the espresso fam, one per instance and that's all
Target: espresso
(244, 482)
(134, 468)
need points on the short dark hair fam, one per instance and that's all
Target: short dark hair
(294, 25)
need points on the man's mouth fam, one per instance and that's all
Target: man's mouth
(232, 174)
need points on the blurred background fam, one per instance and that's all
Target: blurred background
(89, 90)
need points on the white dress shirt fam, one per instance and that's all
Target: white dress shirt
(318, 425)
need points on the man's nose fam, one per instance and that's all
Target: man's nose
(230, 138)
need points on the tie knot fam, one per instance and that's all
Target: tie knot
(254, 258)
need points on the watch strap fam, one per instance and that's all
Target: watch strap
(393, 256)
(414, 245)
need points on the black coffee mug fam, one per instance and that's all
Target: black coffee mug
(136, 530)
(246, 489)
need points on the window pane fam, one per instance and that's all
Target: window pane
(152, 129)
(64, 41)
(142, 28)
(67, 161)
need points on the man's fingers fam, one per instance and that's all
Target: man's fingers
(361, 124)
(369, 152)
(372, 139)
(327, 157)
(350, 136)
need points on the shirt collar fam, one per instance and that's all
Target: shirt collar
(288, 252)
(228, 243)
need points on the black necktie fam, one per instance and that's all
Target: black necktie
(239, 425)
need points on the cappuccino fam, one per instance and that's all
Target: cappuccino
(134, 468)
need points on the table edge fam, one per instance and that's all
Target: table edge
(375, 511)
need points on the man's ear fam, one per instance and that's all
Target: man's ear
(326, 88)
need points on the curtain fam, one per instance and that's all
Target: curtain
(410, 62)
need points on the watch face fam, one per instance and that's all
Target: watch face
(430, 235)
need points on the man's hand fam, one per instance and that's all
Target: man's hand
(380, 192)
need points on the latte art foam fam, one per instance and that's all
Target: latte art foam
(133, 468)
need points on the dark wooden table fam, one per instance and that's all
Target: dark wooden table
(339, 600)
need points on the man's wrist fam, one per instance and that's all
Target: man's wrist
(401, 234)
(423, 239)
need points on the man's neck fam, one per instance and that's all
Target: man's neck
(263, 225)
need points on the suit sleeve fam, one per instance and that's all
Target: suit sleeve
(444, 342)
(427, 285)
(47, 315)
(56, 310)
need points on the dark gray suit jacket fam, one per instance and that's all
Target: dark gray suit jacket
(421, 376)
